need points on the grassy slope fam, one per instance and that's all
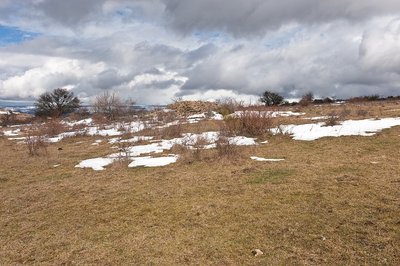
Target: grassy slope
(326, 204)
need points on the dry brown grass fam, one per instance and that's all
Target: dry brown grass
(334, 201)
(249, 123)
(356, 110)
(52, 127)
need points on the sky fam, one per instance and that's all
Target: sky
(154, 51)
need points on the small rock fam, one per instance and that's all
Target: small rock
(257, 252)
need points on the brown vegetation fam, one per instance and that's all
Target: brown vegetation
(111, 106)
(249, 123)
(334, 201)
(186, 108)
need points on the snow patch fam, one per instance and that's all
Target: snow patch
(268, 113)
(309, 132)
(12, 133)
(96, 164)
(259, 159)
(86, 122)
(153, 162)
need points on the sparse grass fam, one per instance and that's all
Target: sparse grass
(327, 204)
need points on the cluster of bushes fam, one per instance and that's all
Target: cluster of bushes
(274, 99)
(372, 98)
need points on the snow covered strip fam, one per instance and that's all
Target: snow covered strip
(259, 159)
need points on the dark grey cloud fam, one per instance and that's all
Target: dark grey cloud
(70, 12)
(153, 50)
(251, 17)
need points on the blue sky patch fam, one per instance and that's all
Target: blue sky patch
(12, 35)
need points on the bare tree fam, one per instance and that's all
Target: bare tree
(307, 99)
(111, 105)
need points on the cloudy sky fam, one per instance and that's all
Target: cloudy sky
(153, 51)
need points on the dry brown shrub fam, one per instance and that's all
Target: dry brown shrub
(80, 127)
(110, 105)
(171, 132)
(99, 119)
(228, 106)
(362, 113)
(123, 151)
(186, 155)
(193, 152)
(249, 123)
(225, 147)
(192, 107)
(74, 117)
(35, 141)
(332, 120)
(53, 127)
(165, 116)
(306, 99)
(345, 113)
(7, 119)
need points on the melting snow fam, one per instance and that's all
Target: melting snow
(132, 140)
(316, 118)
(367, 127)
(87, 122)
(153, 162)
(259, 159)
(269, 113)
(187, 140)
(12, 133)
(198, 117)
(96, 164)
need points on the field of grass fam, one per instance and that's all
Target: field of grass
(334, 201)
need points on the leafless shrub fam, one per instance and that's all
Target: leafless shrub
(190, 151)
(251, 123)
(225, 147)
(165, 116)
(177, 99)
(53, 127)
(332, 120)
(362, 113)
(174, 131)
(110, 105)
(35, 141)
(100, 119)
(7, 119)
(80, 114)
(228, 106)
(281, 130)
(198, 148)
(123, 151)
(306, 99)
(344, 113)
(79, 127)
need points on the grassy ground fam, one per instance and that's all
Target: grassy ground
(333, 201)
